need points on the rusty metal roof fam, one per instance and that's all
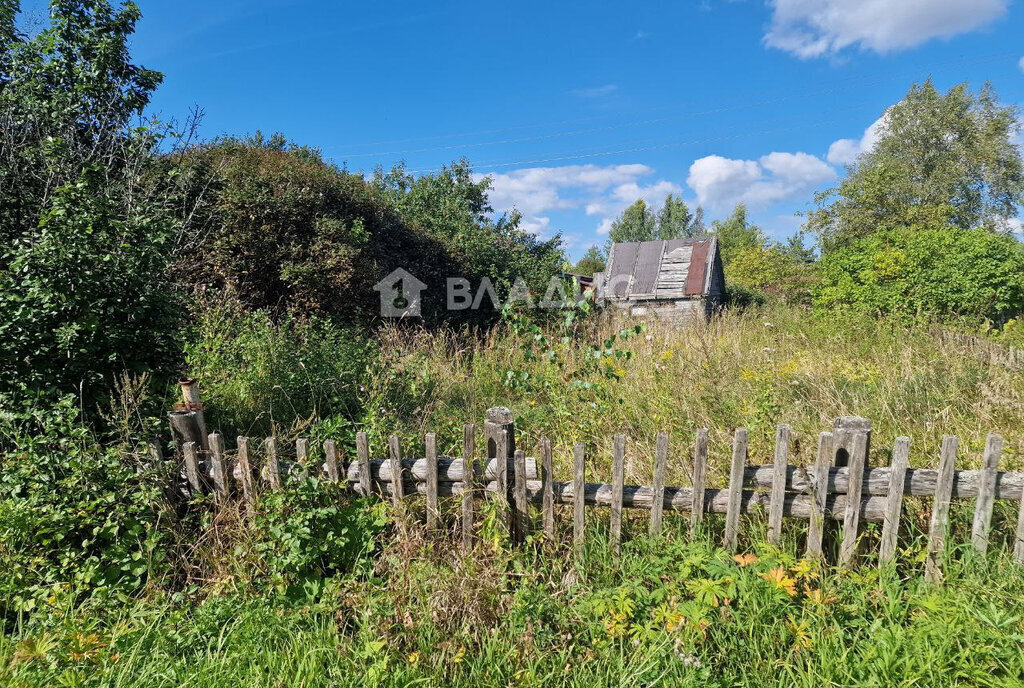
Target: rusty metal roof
(673, 269)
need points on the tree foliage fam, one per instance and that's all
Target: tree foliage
(970, 274)
(640, 222)
(452, 207)
(916, 226)
(84, 230)
(281, 230)
(592, 261)
(736, 234)
(940, 158)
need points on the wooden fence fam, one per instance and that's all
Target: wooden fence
(838, 486)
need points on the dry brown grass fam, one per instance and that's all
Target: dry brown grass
(755, 370)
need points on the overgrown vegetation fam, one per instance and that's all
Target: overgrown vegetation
(133, 252)
(671, 611)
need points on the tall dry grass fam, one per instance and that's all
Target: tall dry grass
(755, 369)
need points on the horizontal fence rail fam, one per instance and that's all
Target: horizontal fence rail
(836, 487)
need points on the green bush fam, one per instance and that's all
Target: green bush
(936, 272)
(76, 519)
(313, 530)
(770, 271)
(85, 237)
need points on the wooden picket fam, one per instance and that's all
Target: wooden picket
(839, 486)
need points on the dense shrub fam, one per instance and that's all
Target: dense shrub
(76, 519)
(280, 229)
(311, 531)
(770, 271)
(84, 235)
(938, 272)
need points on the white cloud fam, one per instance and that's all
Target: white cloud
(812, 28)
(653, 194)
(595, 91)
(1013, 225)
(1020, 63)
(721, 183)
(535, 190)
(535, 225)
(846, 151)
(602, 191)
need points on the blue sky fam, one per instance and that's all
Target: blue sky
(577, 109)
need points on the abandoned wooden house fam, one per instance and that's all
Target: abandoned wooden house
(672, 279)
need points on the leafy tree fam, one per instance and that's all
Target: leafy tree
(452, 207)
(772, 272)
(940, 158)
(697, 225)
(639, 222)
(592, 261)
(796, 248)
(636, 223)
(675, 221)
(736, 234)
(281, 230)
(84, 233)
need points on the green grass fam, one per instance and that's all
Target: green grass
(672, 611)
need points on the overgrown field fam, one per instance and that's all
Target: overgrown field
(113, 587)
(587, 381)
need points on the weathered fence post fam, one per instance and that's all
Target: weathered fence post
(778, 494)
(547, 489)
(245, 472)
(732, 514)
(618, 467)
(500, 433)
(851, 518)
(940, 510)
(986, 493)
(658, 498)
(219, 467)
(470, 483)
(700, 470)
(1018, 544)
(331, 461)
(271, 467)
(579, 498)
(819, 494)
(301, 466)
(363, 459)
(844, 430)
(521, 516)
(894, 500)
(185, 428)
(192, 467)
(395, 466)
(433, 512)
(191, 401)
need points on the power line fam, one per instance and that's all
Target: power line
(575, 155)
